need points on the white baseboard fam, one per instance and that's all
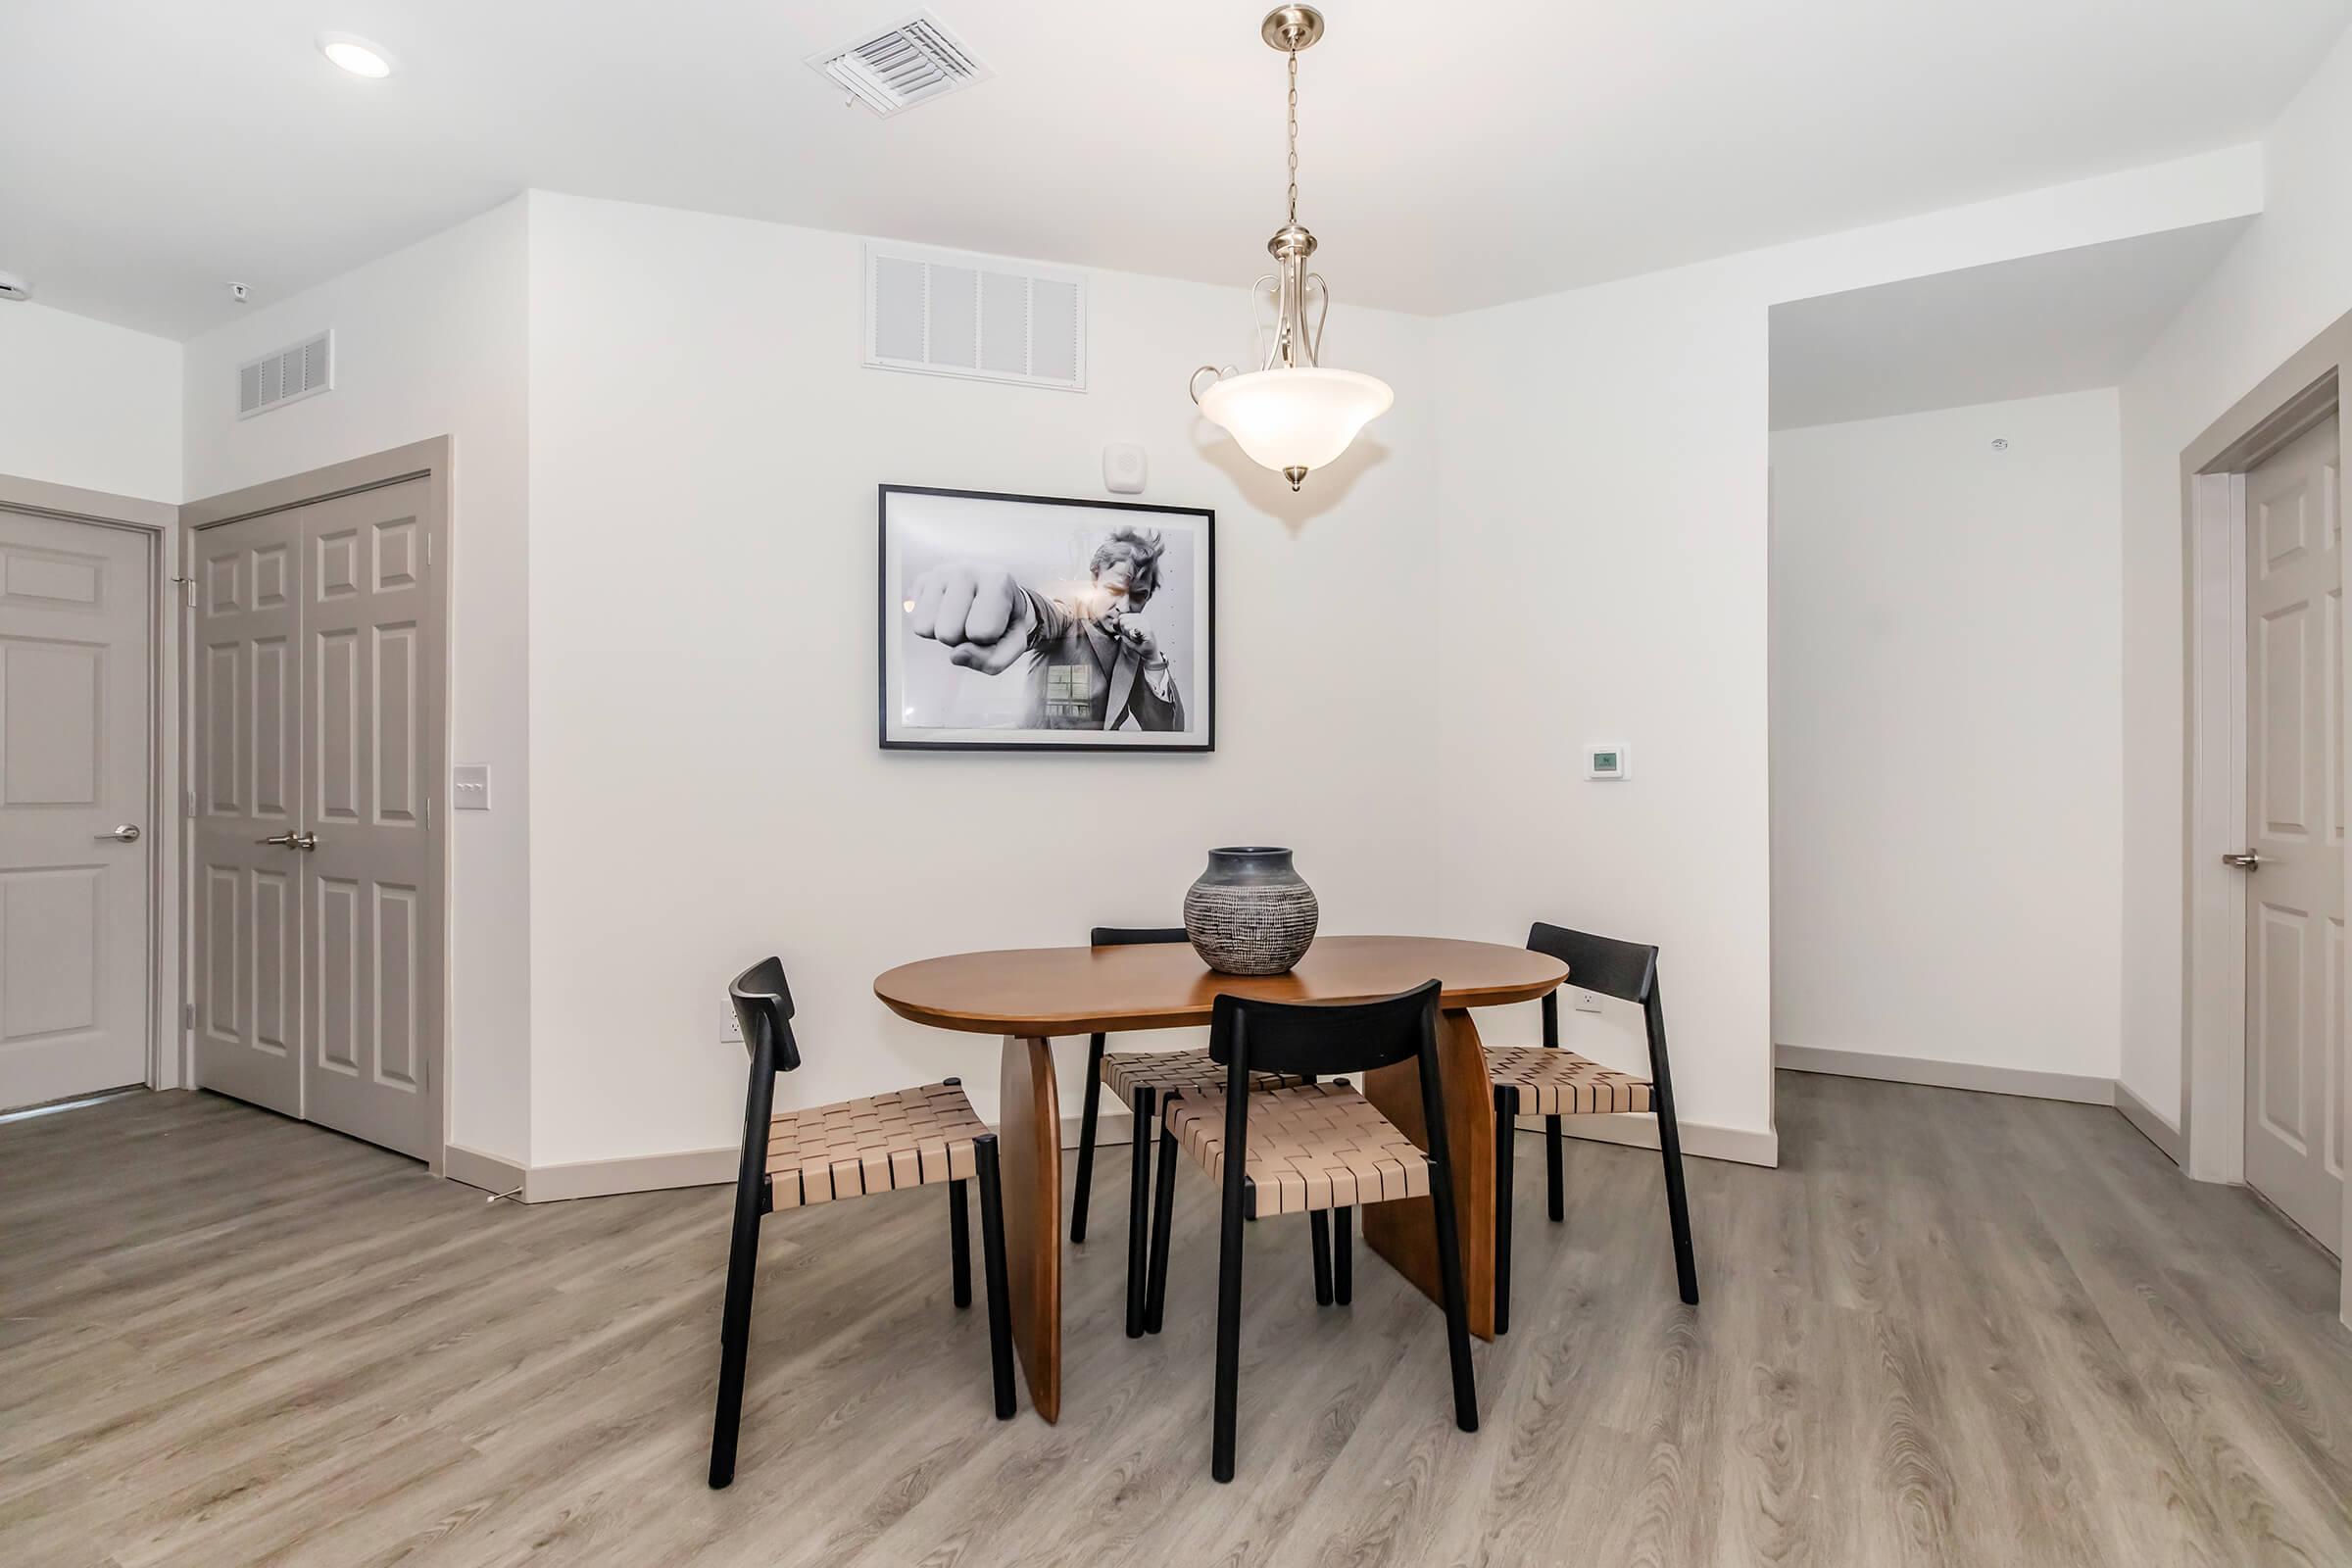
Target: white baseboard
(2029, 1082)
(489, 1172)
(1640, 1130)
(2154, 1128)
(636, 1173)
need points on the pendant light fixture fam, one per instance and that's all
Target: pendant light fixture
(1291, 413)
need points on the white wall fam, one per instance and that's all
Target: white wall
(1604, 478)
(2289, 277)
(1947, 700)
(431, 342)
(89, 404)
(706, 786)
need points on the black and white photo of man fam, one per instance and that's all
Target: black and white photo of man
(1092, 661)
(1024, 622)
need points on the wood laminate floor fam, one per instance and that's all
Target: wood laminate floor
(1953, 1328)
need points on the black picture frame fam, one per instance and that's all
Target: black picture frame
(1206, 519)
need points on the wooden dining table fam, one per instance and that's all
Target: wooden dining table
(1034, 995)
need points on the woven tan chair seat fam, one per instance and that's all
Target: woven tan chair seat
(1312, 1147)
(1169, 1074)
(1552, 1082)
(910, 1138)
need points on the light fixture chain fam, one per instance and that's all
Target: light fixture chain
(1294, 136)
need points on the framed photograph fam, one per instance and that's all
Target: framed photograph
(1036, 623)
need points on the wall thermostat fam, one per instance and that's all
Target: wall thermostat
(1123, 468)
(1604, 761)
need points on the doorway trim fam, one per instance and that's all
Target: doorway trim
(167, 993)
(430, 460)
(2212, 467)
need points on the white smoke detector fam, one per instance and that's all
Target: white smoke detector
(904, 64)
(13, 288)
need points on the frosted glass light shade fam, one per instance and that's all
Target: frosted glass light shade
(1300, 418)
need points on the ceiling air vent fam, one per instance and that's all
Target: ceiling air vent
(903, 65)
(284, 375)
(953, 312)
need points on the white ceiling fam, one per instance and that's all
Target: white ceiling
(2066, 322)
(158, 148)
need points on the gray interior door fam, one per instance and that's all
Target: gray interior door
(2295, 969)
(319, 901)
(371, 953)
(246, 901)
(77, 608)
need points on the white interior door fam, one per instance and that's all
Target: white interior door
(371, 949)
(2295, 962)
(246, 903)
(318, 904)
(77, 694)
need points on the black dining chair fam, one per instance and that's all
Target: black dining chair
(1310, 1147)
(910, 1138)
(1146, 1080)
(1550, 1082)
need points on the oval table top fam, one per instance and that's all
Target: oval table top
(1044, 992)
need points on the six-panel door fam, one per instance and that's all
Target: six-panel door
(76, 606)
(319, 957)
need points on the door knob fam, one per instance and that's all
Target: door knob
(2248, 862)
(306, 841)
(127, 833)
(292, 841)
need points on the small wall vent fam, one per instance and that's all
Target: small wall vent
(286, 375)
(903, 65)
(953, 312)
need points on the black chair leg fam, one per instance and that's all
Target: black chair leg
(1085, 1138)
(1229, 1327)
(1000, 1292)
(1678, 1204)
(1342, 1265)
(1139, 1191)
(1553, 1182)
(1319, 1221)
(734, 1333)
(960, 1242)
(1506, 1139)
(1458, 1313)
(1163, 1207)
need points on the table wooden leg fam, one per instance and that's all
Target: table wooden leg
(1029, 1144)
(1403, 1231)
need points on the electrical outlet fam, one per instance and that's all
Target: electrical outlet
(731, 1034)
(1588, 1001)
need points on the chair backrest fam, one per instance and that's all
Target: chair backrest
(1323, 1039)
(1626, 970)
(1135, 936)
(763, 1007)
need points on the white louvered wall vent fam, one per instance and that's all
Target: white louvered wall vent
(953, 312)
(286, 375)
(898, 67)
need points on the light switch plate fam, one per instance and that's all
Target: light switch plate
(1605, 761)
(470, 787)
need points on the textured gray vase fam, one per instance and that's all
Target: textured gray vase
(1251, 912)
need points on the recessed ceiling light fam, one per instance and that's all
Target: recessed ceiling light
(356, 55)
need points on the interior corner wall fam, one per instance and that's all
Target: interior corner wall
(705, 447)
(89, 404)
(1946, 701)
(429, 341)
(2289, 277)
(1604, 477)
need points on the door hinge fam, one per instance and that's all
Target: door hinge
(428, 548)
(187, 597)
(187, 1015)
(187, 803)
(428, 813)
